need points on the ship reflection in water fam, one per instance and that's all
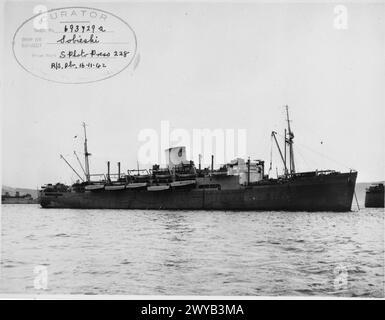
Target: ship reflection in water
(147, 252)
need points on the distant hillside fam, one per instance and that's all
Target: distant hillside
(12, 191)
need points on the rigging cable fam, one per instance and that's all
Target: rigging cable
(304, 159)
(321, 154)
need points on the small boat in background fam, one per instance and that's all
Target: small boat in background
(374, 197)
(17, 198)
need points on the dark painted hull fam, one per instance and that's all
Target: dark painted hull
(318, 193)
(374, 200)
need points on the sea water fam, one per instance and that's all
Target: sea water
(147, 252)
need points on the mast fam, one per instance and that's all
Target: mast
(284, 146)
(86, 154)
(108, 171)
(290, 142)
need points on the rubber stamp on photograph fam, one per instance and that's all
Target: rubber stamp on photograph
(74, 45)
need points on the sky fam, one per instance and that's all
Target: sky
(208, 66)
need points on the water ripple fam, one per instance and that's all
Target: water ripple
(189, 253)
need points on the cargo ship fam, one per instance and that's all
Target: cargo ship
(17, 199)
(238, 185)
(374, 197)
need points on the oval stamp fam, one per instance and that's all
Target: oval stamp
(74, 45)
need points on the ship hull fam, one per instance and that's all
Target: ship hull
(318, 193)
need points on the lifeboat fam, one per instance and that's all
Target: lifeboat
(143, 177)
(163, 177)
(158, 188)
(115, 187)
(94, 187)
(185, 176)
(220, 173)
(136, 185)
(183, 183)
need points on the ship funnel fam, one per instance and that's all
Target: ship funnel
(175, 156)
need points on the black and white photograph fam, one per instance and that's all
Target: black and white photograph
(179, 149)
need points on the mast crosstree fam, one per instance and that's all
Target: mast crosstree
(86, 155)
(288, 141)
